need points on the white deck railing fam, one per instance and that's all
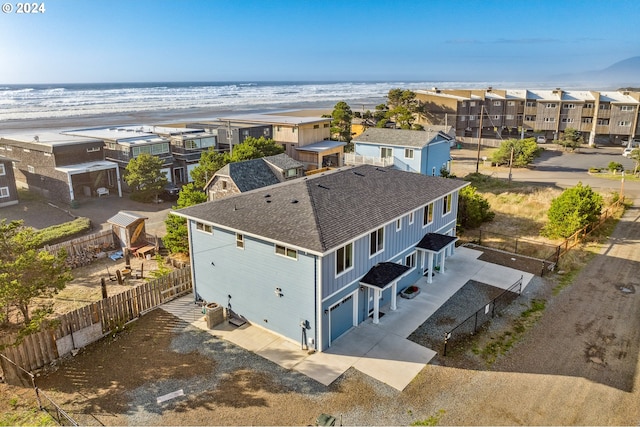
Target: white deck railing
(355, 159)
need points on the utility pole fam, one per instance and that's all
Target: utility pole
(479, 139)
(510, 164)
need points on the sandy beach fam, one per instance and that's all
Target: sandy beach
(155, 117)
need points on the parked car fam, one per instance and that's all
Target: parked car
(541, 140)
(627, 151)
(171, 191)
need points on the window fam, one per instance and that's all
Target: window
(408, 153)
(604, 106)
(531, 103)
(223, 184)
(376, 241)
(446, 206)
(497, 103)
(624, 123)
(509, 116)
(511, 103)
(206, 228)
(410, 217)
(326, 125)
(93, 149)
(266, 132)
(588, 105)
(530, 118)
(239, 241)
(567, 120)
(433, 171)
(4, 192)
(410, 260)
(587, 120)
(568, 106)
(626, 108)
(428, 214)
(603, 122)
(292, 173)
(551, 105)
(31, 169)
(2, 170)
(386, 152)
(472, 118)
(463, 104)
(463, 118)
(549, 119)
(245, 132)
(288, 252)
(472, 104)
(344, 258)
(316, 126)
(398, 224)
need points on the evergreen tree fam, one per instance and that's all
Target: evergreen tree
(572, 210)
(145, 177)
(341, 124)
(177, 240)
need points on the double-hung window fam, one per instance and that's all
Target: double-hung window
(428, 214)
(344, 258)
(376, 241)
(446, 206)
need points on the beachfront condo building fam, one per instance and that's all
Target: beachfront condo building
(603, 117)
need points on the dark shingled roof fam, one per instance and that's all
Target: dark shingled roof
(256, 173)
(435, 242)
(323, 211)
(380, 275)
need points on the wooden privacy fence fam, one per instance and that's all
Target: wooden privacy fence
(87, 324)
(84, 250)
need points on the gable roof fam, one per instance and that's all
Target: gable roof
(326, 210)
(125, 218)
(257, 173)
(401, 137)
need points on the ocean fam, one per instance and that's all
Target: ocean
(59, 106)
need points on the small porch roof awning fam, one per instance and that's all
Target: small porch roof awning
(435, 242)
(87, 167)
(322, 146)
(384, 274)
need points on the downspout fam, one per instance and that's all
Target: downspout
(319, 312)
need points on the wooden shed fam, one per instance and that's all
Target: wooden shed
(129, 229)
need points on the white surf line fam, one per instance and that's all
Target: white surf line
(170, 396)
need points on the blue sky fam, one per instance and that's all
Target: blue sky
(87, 41)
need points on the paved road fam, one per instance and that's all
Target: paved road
(556, 168)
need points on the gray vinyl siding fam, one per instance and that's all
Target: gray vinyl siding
(251, 276)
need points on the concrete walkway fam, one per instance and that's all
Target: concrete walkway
(381, 351)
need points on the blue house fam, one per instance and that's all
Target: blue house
(313, 257)
(425, 152)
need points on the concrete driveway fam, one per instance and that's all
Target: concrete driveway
(382, 350)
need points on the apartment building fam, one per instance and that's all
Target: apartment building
(608, 117)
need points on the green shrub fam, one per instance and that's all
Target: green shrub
(473, 209)
(66, 231)
(594, 170)
(572, 210)
(524, 151)
(615, 166)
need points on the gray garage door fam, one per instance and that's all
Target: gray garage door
(341, 317)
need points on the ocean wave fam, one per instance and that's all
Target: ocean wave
(55, 101)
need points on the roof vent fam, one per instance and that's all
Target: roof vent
(267, 195)
(322, 186)
(294, 201)
(358, 173)
(36, 138)
(380, 169)
(268, 201)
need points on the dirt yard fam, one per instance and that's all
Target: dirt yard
(576, 366)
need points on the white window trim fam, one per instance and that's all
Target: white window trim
(4, 192)
(447, 204)
(408, 151)
(346, 270)
(398, 224)
(376, 231)
(286, 252)
(425, 220)
(414, 258)
(240, 241)
(3, 171)
(411, 217)
(204, 228)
